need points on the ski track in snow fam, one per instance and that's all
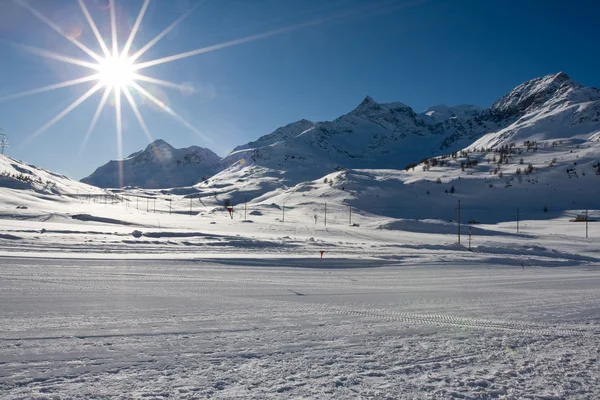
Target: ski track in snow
(184, 329)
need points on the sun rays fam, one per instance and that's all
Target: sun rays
(118, 72)
(114, 70)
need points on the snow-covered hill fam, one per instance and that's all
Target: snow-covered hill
(160, 165)
(30, 192)
(18, 175)
(552, 107)
(392, 136)
(372, 135)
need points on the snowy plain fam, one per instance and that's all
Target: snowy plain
(257, 329)
(208, 306)
(141, 294)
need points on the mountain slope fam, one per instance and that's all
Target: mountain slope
(552, 107)
(18, 175)
(371, 136)
(160, 165)
(391, 136)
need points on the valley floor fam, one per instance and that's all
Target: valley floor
(104, 301)
(93, 328)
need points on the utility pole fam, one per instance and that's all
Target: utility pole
(147, 204)
(325, 213)
(155, 205)
(459, 222)
(586, 223)
(283, 217)
(169, 200)
(517, 220)
(137, 202)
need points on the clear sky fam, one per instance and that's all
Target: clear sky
(419, 52)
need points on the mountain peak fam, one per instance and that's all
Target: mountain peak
(159, 143)
(366, 106)
(160, 165)
(535, 92)
(368, 99)
(561, 76)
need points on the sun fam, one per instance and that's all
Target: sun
(117, 69)
(117, 72)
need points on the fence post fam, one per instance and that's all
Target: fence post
(458, 221)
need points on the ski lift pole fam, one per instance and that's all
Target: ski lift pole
(458, 221)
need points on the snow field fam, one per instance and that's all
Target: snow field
(235, 329)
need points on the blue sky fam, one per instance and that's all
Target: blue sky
(419, 52)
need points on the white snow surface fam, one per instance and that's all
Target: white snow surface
(256, 329)
(102, 297)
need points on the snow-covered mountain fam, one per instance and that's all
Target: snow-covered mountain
(18, 175)
(552, 107)
(160, 165)
(393, 136)
(372, 136)
(440, 113)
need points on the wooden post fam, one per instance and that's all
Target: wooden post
(586, 223)
(459, 222)
(283, 215)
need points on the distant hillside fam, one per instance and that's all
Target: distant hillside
(393, 136)
(160, 165)
(15, 174)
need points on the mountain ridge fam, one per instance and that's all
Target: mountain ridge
(158, 166)
(392, 135)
